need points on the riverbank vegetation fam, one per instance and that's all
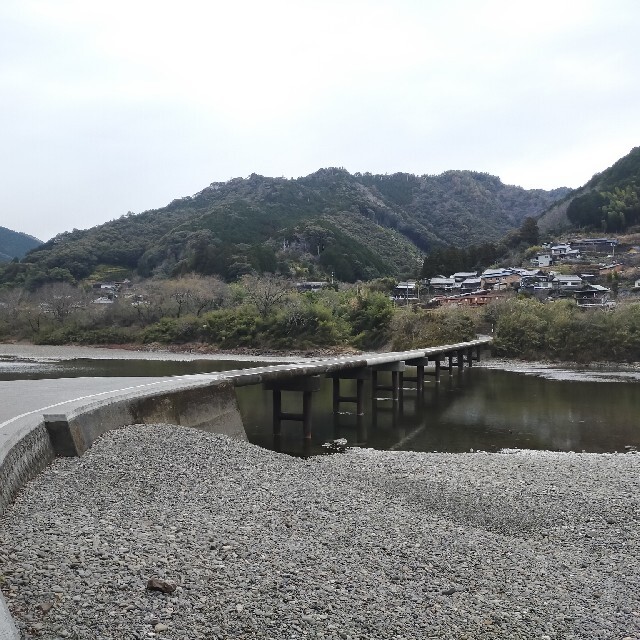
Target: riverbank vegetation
(528, 329)
(267, 313)
(257, 312)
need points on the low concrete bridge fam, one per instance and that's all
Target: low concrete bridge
(31, 440)
(28, 442)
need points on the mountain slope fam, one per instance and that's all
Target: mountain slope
(610, 201)
(14, 244)
(358, 226)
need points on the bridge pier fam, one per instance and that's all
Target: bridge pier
(359, 375)
(450, 365)
(308, 386)
(419, 364)
(396, 368)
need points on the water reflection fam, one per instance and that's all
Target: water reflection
(476, 409)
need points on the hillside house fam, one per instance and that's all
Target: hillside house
(442, 284)
(470, 284)
(471, 299)
(593, 295)
(463, 275)
(595, 245)
(310, 286)
(499, 278)
(564, 252)
(543, 259)
(406, 291)
(563, 283)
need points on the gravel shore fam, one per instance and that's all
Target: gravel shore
(365, 544)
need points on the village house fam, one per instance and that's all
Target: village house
(406, 291)
(563, 283)
(442, 284)
(499, 278)
(593, 295)
(543, 259)
(595, 245)
(310, 286)
(470, 284)
(471, 299)
(463, 275)
(563, 253)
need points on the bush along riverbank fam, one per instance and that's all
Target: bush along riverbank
(560, 331)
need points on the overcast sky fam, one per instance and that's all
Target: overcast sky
(123, 105)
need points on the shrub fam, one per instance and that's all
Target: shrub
(370, 318)
(173, 330)
(416, 329)
(79, 335)
(237, 327)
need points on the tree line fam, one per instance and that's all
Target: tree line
(257, 312)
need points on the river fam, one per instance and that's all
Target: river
(481, 409)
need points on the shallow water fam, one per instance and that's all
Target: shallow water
(476, 409)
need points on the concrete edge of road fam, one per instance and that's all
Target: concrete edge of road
(8, 630)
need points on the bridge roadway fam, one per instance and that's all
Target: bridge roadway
(21, 397)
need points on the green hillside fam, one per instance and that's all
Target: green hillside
(358, 226)
(14, 244)
(609, 202)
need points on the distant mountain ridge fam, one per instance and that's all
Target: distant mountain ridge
(358, 226)
(14, 244)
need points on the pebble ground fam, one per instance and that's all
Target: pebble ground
(361, 545)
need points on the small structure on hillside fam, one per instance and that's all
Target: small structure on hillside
(310, 286)
(562, 283)
(442, 284)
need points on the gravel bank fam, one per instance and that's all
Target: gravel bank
(361, 545)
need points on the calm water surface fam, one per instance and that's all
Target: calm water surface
(479, 409)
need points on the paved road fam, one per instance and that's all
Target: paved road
(18, 397)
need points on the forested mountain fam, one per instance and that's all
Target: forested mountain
(609, 202)
(357, 226)
(14, 244)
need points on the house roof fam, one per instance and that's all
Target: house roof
(441, 281)
(497, 273)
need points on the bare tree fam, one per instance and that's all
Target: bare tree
(194, 294)
(61, 300)
(266, 292)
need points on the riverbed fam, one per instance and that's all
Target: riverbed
(368, 545)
